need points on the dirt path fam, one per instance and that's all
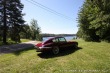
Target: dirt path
(16, 47)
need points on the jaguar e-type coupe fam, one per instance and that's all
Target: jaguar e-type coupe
(54, 45)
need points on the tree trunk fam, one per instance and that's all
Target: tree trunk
(5, 26)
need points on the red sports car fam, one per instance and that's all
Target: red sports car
(55, 44)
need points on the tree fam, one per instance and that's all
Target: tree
(35, 30)
(25, 32)
(3, 9)
(1, 28)
(31, 31)
(11, 18)
(16, 19)
(94, 20)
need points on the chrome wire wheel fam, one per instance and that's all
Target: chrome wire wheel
(55, 50)
(76, 46)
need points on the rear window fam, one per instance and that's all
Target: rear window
(55, 40)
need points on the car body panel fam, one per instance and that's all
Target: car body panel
(55, 41)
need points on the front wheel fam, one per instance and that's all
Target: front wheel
(55, 50)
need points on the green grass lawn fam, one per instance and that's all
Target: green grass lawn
(9, 41)
(25, 40)
(92, 57)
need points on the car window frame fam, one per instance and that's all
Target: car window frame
(56, 40)
(63, 38)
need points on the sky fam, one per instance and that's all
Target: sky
(51, 22)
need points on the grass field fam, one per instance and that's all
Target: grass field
(9, 41)
(91, 57)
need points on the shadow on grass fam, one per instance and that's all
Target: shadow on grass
(63, 52)
(16, 49)
(23, 50)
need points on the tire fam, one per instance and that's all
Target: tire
(55, 50)
(76, 46)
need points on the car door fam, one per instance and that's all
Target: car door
(55, 42)
(62, 42)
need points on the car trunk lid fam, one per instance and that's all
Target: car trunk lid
(39, 45)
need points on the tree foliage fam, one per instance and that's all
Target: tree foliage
(35, 30)
(31, 31)
(26, 32)
(94, 20)
(12, 23)
(11, 19)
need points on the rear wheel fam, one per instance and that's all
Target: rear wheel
(55, 50)
(76, 45)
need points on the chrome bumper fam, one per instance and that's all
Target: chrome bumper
(40, 49)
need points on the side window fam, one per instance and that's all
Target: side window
(55, 40)
(62, 40)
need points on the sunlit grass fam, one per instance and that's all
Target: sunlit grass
(94, 57)
(25, 40)
(9, 41)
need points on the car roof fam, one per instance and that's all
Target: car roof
(55, 37)
(50, 39)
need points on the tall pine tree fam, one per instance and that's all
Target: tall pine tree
(11, 12)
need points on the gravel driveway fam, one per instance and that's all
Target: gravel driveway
(16, 47)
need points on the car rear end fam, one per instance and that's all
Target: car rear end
(41, 47)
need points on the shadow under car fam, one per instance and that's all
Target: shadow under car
(62, 52)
